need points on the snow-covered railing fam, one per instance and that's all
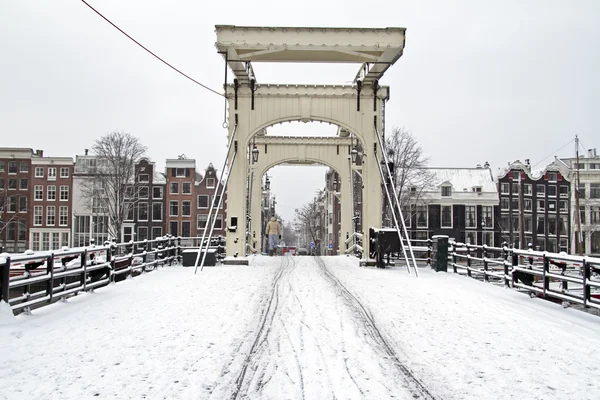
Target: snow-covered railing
(356, 248)
(559, 277)
(33, 279)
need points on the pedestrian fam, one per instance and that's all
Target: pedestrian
(273, 233)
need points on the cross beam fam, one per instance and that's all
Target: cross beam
(376, 49)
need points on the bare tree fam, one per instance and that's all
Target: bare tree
(307, 220)
(411, 177)
(112, 187)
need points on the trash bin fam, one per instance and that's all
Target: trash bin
(439, 256)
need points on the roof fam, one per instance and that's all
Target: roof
(463, 179)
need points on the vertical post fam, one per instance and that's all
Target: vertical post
(179, 249)
(454, 256)
(429, 250)
(145, 254)
(5, 280)
(505, 256)
(83, 256)
(485, 263)
(546, 270)
(515, 263)
(109, 260)
(50, 282)
(587, 274)
(440, 253)
(469, 260)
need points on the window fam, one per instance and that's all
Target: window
(142, 233)
(128, 211)
(594, 190)
(64, 193)
(471, 217)
(12, 204)
(515, 174)
(202, 201)
(202, 221)
(39, 172)
(595, 215)
(51, 173)
(581, 192)
(504, 188)
(186, 208)
(552, 225)
(12, 167)
(23, 184)
(64, 172)
(541, 190)
(487, 217)
(186, 228)
(564, 192)
(12, 184)
(446, 191)
(35, 241)
(143, 178)
(157, 212)
(174, 188)
(562, 225)
(63, 216)
(528, 223)
(156, 232)
(181, 172)
(551, 245)
(51, 192)
(541, 225)
(127, 234)
(551, 191)
(488, 238)
(157, 192)
(210, 183)
(11, 233)
(582, 214)
(186, 188)
(217, 200)
(422, 217)
(551, 206)
(142, 211)
(50, 215)
(173, 208)
(527, 204)
(504, 203)
(174, 228)
(219, 222)
(23, 204)
(563, 206)
(527, 189)
(45, 241)
(471, 237)
(143, 193)
(406, 213)
(2, 166)
(37, 216)
(515, 189)
(477, 189)
(552, 176)
(1, 183)
(22, 237)
(564, 245)
(446, 217)
(541, 205)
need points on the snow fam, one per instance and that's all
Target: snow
(6, 315)
(465, 178)
(288, 327)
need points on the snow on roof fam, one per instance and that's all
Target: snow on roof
(465, 178)
(159, 178)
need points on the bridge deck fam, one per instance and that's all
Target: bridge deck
(291, 327)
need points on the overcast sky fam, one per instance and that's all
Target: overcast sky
(479, 80)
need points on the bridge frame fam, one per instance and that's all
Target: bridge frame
(253, 107)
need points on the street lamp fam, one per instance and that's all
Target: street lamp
(353, 155)
(254, 154)
(267, 183)
(335, 185)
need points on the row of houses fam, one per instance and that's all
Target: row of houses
(515, 205)
(43, 205)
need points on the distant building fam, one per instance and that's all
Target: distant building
(207, 190)
(545, 207)
(181, 179)
(589, 199)
(462, 203)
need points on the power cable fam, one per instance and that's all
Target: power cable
(556, 151)
(143, 47)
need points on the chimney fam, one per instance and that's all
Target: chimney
(86, 151)
(39, 153)
(486, 165)
(478, 165)
(592, 153)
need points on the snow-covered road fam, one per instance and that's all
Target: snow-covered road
(300, 328)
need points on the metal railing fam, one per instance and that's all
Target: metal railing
(559, 277)
(356, 247)
(34, 279)
(422, 250)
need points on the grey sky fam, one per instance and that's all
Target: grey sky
(479, 80)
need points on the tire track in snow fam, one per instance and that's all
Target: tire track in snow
(263, 329)
(414, 385)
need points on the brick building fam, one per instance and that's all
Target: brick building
(179, 197)
(543, 210)
(51, 203)
(205, 189)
